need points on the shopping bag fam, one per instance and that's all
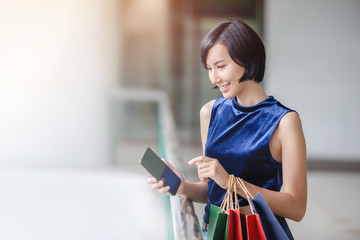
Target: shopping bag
(234, 230)
(244, 222)
(230, 222)
(217, 223)
(254, 228)
(274, 228)
(250, 224)
(270, 224)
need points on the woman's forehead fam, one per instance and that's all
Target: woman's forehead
(216, 53)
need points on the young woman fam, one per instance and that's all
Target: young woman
(246, 133)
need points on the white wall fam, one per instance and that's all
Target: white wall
(313, 66)
(58, 59)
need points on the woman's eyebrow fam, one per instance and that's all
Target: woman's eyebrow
(218, 61)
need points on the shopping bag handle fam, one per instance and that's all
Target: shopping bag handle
(246, 191)
(225, 203)
(230, 195)
(228, 200)
(237, 205)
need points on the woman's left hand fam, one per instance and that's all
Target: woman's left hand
(211, 168)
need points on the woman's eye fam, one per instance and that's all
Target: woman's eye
(221, 66)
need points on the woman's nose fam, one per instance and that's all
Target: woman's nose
(214, 77)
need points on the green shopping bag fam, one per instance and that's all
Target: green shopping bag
(217, 227)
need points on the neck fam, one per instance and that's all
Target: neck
(252, 94)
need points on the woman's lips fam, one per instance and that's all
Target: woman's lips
(223, 88)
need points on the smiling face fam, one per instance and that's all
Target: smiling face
(223, 71)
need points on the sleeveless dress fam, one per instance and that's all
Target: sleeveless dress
(239, 137)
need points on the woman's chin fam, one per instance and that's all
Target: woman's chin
(227, 95)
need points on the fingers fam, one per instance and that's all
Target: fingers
(151, 180)
(164, 189)
(158, 185)
(203, 163)
(155, 183)
(199, 159)
(205, 173)
(204, 170)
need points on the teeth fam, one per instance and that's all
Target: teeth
(224, 86)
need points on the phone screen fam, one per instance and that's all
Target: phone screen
(158, 169)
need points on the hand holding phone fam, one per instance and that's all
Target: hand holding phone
(158, 169)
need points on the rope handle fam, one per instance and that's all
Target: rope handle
(234, 187)
(230, 195)
(247, 193)
(225, 204)
(230, 187)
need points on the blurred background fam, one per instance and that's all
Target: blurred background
(80, 82)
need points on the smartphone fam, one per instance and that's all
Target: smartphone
(158, 169)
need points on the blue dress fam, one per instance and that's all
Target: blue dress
(239, 138)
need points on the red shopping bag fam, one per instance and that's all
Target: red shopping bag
(254, 227)
(251, 228)
(234, 225)
(250, 220)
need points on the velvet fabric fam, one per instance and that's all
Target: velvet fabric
(239, 137)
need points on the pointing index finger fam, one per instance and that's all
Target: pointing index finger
(197, 160)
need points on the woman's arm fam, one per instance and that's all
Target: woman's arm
(291, 203)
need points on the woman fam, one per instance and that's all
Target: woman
(247, 133)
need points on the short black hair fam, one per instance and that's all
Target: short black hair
(244, 45)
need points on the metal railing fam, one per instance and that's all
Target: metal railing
(183, 222)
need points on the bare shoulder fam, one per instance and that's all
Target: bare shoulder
(290, 129)
(290, 120)
(205, 111)
(205, 116)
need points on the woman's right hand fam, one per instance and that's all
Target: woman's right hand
(159, 185)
